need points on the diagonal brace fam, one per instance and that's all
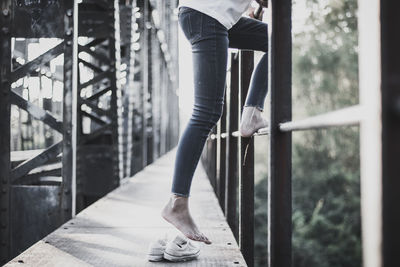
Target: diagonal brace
(42, 158)
(36, 112)
(37, 62)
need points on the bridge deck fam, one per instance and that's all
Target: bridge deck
(117, 229)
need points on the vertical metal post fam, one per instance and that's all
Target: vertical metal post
(222, 158)
(164, 112)
(390, 63)
(214, 158)
(69, 110)
(149, 100)
(119, 142)
(246, 178)
(114, 50)
(371, 133)
(232, 150)
(5, 63)
(280, 183)
(130, 87)
(156, 100)
(145, 79)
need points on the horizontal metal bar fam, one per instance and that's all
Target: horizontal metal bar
(236, 134)
(42, 158)
(34, 175)
(36, 112)
(37, 62)
(41, 180)
(347, 116)
(262, 131)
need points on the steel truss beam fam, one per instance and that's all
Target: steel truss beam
(99, 23)
(38, 62)
(63, 27)
(36, 112)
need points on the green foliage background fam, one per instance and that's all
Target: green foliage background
(326, 188)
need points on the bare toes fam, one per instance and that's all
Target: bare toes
(206, 240)
(198, 237)
(191, 236)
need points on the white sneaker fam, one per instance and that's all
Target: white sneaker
(156, 250)
(251, 121)
(181, 249)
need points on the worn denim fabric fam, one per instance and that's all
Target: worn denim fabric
(210, 41)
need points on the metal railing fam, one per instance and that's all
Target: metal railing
(229, 159)
(377, 118)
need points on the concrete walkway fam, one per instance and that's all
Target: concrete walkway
(117, 229)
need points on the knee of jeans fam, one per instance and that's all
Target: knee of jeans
(207, 118)
(217, 114)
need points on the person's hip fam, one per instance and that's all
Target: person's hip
(197, 25)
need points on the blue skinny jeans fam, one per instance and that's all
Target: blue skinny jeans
(210, 41)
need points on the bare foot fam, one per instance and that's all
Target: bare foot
(177, 213)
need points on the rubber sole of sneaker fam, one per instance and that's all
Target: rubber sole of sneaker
(173, 258)
(158, 257)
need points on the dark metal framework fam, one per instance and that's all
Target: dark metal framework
(125, 115)
(377, 115)
(34, 176)
(118, 91)
(97, 110)
(390, 67)
(229, 158)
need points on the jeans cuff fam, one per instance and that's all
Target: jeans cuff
(181, 195)
(258, 107)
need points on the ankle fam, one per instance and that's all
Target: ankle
(178, 203)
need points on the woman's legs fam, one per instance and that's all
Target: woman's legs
(252, 34)
(209, 41)
(258, 84)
